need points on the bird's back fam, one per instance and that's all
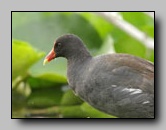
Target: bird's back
(119, 84)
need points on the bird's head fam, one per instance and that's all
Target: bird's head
(65, 46)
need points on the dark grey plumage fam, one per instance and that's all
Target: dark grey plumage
(118, 84)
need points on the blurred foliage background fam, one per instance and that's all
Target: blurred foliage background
(42, 91)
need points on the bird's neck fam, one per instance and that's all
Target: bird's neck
(75, 67)
(76, 62)
(78, 56)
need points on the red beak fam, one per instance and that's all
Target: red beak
(51, 55)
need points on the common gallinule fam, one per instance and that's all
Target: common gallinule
(117, 84)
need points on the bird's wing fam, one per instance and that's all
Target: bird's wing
(131, 78)
(129, 92)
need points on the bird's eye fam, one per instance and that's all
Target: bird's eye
(58, 45)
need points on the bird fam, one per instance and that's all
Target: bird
(117, 84)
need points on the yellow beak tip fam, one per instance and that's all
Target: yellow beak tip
(45, 61)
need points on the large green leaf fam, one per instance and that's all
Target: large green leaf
(94, 113)
(46, 80)
(123, 42)
(102, 26)
(141, 21)
(45, 97)
(69, 98)
(23, 56)
(72, 112)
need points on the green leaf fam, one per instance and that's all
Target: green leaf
(23, 56)
(102, 26)
(107, 47)
(46, 80)
(53, 77)
(70, 99)
(94, 113)
(72, 112)
(45, 97)
(123, 43)
(141, 21)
